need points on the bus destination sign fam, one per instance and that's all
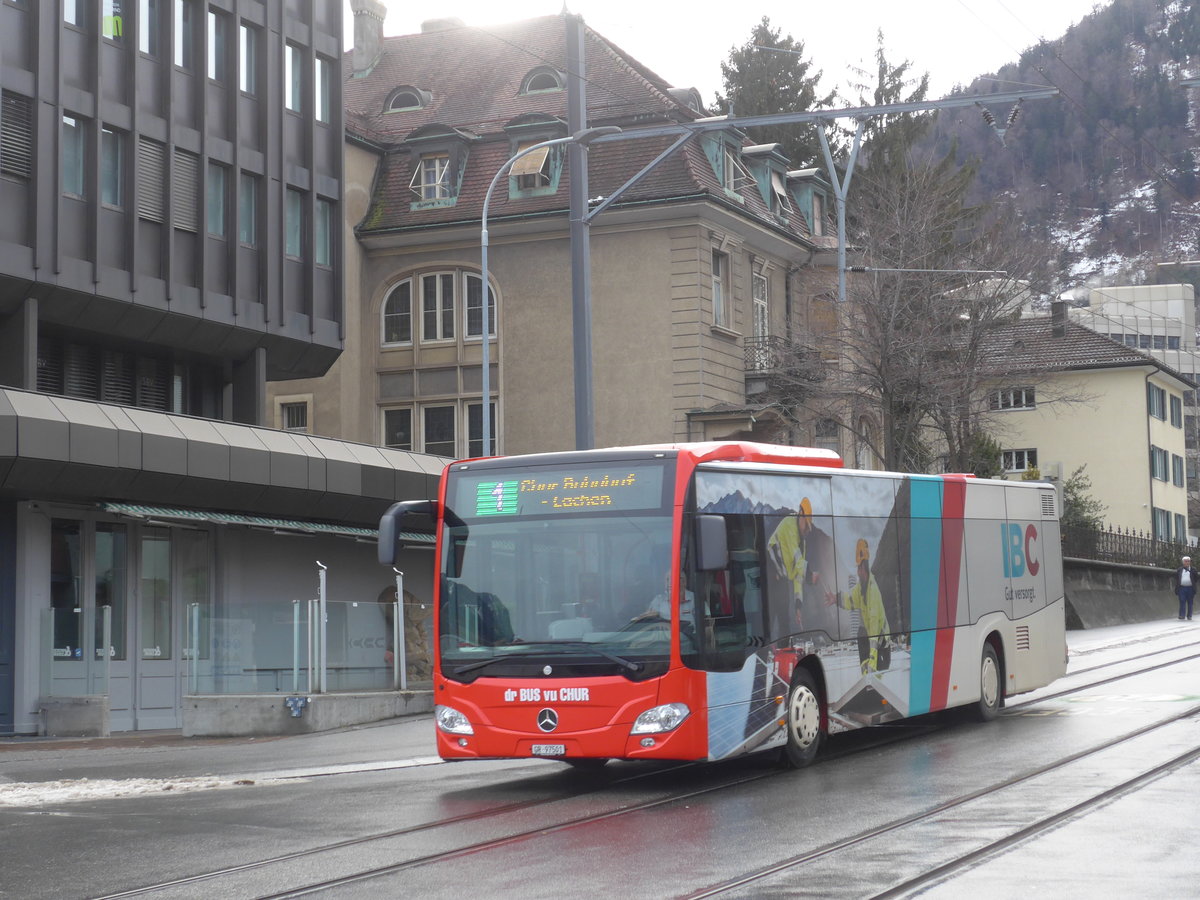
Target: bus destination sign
(551, 492)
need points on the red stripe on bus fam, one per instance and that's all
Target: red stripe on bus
(953, 503)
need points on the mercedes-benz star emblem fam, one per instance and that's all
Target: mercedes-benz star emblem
(547, 720)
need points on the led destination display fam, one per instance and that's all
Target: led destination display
(617, 488)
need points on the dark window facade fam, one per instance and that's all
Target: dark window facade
(16, 136)
(91, 371)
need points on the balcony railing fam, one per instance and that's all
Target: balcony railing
(767, 354)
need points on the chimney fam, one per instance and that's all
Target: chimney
(368, 35)
(1058, 318)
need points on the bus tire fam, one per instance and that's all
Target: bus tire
(803, 722)
(991, 685)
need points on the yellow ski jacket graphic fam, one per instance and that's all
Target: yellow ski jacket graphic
(869, 603)
(787, 548)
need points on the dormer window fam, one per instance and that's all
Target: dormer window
(735, 176)
(541, 81)
(439, 157)
(818, 214)
(406, 98)
(431, 177)
(537, 173)
(533, 169)
(780, 202)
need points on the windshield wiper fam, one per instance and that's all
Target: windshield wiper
(629, 665)
(484, 663)
(592, 647)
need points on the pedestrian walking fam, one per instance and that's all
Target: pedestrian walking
(1186, 579)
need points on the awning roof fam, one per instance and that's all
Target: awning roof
(174, 514)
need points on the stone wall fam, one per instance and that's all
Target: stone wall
(1100, 594)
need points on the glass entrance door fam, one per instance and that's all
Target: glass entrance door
(89, 603)
(158, 682)
(140, 578)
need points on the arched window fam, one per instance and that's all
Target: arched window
(404, 98)
(541, 81)
(397, 314)
(442, 302)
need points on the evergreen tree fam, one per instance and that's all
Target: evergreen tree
(887, 140)
(777, 79)
(1080, 508)
(985, 456)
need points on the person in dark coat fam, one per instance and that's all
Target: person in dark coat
(1186, 580)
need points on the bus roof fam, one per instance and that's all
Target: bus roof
(697, 452)
(749, 451)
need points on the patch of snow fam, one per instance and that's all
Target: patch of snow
(40, 793)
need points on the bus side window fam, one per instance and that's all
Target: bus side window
(731, 599)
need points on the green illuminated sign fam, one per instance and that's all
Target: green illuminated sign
(496, 498)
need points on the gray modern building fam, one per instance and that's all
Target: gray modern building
(170, 240)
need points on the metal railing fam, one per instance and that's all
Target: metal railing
(312, 646)
(1122, 546)
(765, 354)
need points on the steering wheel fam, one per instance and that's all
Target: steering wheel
(647, 631)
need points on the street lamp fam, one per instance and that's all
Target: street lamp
(583, 137)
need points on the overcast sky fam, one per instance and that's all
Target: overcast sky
(953, 40)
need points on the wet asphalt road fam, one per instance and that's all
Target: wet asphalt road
(94, 818)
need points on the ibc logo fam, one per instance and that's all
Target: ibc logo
(1019, 549)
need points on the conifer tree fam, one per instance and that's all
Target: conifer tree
(778, 79)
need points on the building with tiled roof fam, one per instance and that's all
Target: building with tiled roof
(697, 269)
(1070, 396)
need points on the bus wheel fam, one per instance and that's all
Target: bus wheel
(990, 685)
(804, 735)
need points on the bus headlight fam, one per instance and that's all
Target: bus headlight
(451, 721)
(667, 717)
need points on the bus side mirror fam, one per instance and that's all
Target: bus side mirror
(391, 527)
(712, 545)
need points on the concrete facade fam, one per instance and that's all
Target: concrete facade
(1160, 320)
(171, 186)
(1108, 429)
(1070, 397)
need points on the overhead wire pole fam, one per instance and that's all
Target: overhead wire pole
(581, 258)
(580, 216)
(841, 183)
(840, 190)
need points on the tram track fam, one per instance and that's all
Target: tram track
(968, 860)
(943, 871)
(1042, 698)
(885, 737)
(215, 877)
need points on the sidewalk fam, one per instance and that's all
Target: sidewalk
(167, 754)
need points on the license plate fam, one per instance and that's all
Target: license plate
(549, 750)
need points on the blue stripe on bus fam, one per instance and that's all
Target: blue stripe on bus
(926, 507)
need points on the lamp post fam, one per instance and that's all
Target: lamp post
(583, 137)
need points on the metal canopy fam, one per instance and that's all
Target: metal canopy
(168, 514)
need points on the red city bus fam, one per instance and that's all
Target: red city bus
(702, 601)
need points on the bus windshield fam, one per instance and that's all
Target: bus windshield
(545, 567)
